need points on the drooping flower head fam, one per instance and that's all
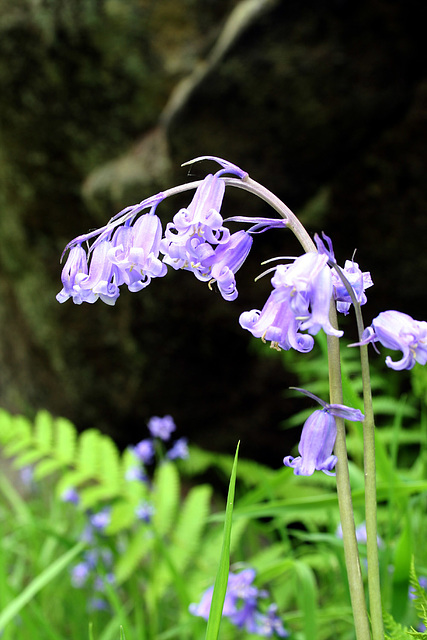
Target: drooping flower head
(300, 301)
(318, 438)
(125, 251)
(198, 241)
(398, 331)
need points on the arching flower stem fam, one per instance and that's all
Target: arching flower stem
(351, 551)
(247, 184)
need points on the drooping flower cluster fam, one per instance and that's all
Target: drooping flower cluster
(300, 301)
(127, 250)
(318, 438)
(242, 606)
(301, 297)
(122, 254)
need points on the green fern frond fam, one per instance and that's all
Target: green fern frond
(87, 452)
(109, 464)
(139, 546)
(188, 530)
(420, 599)
(17, 435)
(395, 631)
(47, 467)
(66, 440)
(165, 497)
(91, 463)
(43, 431)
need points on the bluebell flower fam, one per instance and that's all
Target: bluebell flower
(101, 519)
(135, 474)
(191, 238)
(239, 589)
(70, 495)
(27, 476)
(240, 585)
(179, 450)
(270, 623)
(198, 241)
(358, 280)
(100, 581)
(318, 438)
(396, 330)
(161, 427)
(245, 615)
(134, 251)
(102, 280)
(80, 574)
(241, 606)
(97, 604)
(88, 534)
(300, 301)
(124, 251)
(144, 511)
(226, 261)
(75, 265)
(91, 557)
(202, 609)
(144, 450)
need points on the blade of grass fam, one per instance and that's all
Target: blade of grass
(221, 580)
(38, 583)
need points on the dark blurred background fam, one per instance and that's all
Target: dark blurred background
(324, 103)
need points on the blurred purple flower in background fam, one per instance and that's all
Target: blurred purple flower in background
(179, 450)
(241, 606)
(161, 427)
(144, 450)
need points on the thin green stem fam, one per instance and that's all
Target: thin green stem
(351, 551)
(292, 221)
(374, 585)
